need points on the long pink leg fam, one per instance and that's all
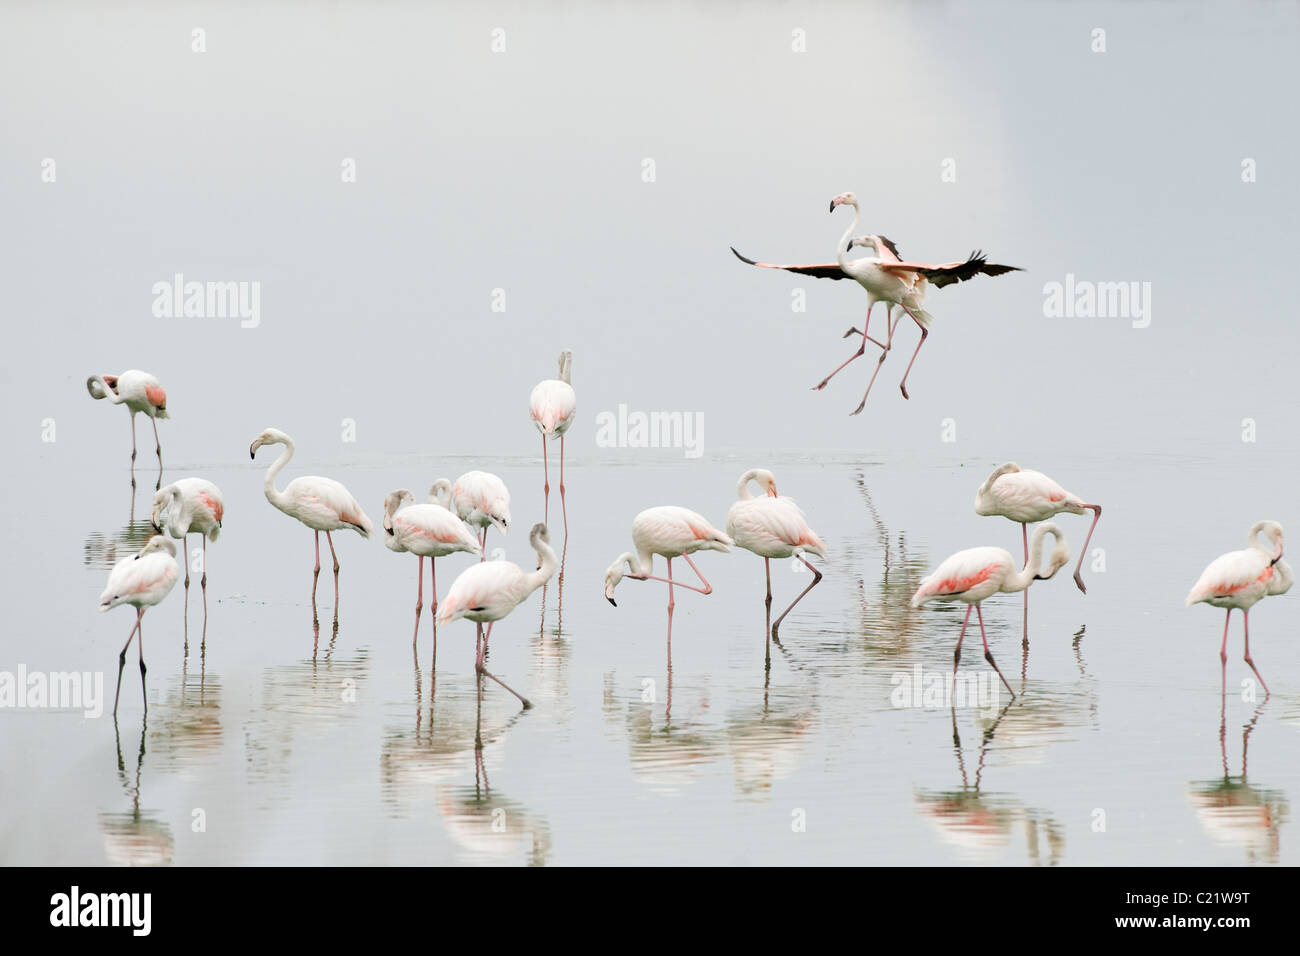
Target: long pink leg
(671, 604)
(139, 646)
(767, 621)
(670, 581)
(817, 576)
(479, 666)
(956, 655)
(1246, 616)
(1223, 655)
(433, 607)
(483, 545)
(315, 577)
(564, 506)
(925, 334)
(1024, 535)
(158, 449)
(133, 451)
(203, 581)
(330, 538)
(1078, 576)
(419, 599)
(185, 557)
(889, 344)
(546, 482)
(121, 658)
(866, 324)
(988, 655)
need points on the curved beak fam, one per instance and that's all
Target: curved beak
(832, 207)
(252, 449)
(156, 527)
(611, 600)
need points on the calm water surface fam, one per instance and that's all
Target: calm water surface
(347, 747)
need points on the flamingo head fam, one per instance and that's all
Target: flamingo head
(844, 199)
(155, 544)
(1060, 555)
(539, 536)
(99, 386)
(1271, 530)
(767, 481)
(566, 365)
(272, 436)
(393, 502)
(440, 494)
(161, 500)
(612, 577)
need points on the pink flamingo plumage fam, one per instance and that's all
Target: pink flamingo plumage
(140, 580)
(322, 504)
(481, 499)
(488, 591)
(886, 278)
(975, 574)
(552, 406)
(772, 527)
(1241, 579)
(671, 532)
(185, 506)
(141, 393)
(427, 531)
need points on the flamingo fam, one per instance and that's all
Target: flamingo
(553, 405)
(887, 278)
(772, 527)
(671, 532)
(1241, 579)
(1030, 496)
(480, 498)
(972, 575)
(141, 580)
(427, 531)
(190, 504)
(488, 591)
(139, 392)
(322, 504)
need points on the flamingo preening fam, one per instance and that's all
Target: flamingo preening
(141, 580)
(887, 278)
(480, 498)
(427, 531)
(552, 405)
(772, 527)
(1241, 579)
(975, 574)
(671, 532)
(322, 504)
(1027, 497)
(488, 591)
(190, 505)
(139, 392)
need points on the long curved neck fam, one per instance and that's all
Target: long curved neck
(273, 495)
(641, 563)
(1033, 567)
(546, 555)
(842, 251)
(109, 394)
(566, 368)
(742, 486)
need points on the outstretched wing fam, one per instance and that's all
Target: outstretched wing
(947, 273)
(825, 270)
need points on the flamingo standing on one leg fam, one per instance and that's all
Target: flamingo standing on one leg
(887, 278)
(141, 580)
(671, 532)
(553, 405)
(772, 527)
(322, 504)
(1027, 497)
(190, 504)
(1241, 579)
(482, 499)
(139, 392)
(427, 531)
(975, 574)
(488, 591)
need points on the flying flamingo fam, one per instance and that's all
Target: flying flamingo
(671, 532)
(972, 575)
(190, 504)
(427, 531)
(139, 392)
(482, 499)
(887, 278)
(1030, 496)
(772, 527)
(552, 406)
(1241, 579)
(488, 591)
(141, 580)
(322, 504)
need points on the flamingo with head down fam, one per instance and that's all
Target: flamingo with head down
(887, 278)
(185, 506)
(140, 392)
(480, 498)
(552, 406)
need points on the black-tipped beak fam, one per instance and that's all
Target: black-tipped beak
(252, 453)
(156, 527)
(612, 601)
(832, 206)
